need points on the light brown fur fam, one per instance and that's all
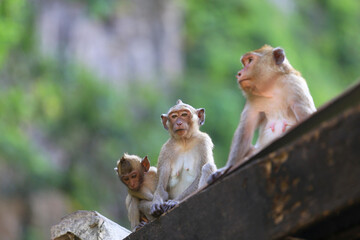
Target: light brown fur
(185, 161)
(139, 202)
(277, 98)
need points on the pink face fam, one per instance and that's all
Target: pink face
(180, 121)
(132, 180)
(243, 76)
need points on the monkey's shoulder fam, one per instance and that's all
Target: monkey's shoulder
(203, 135)
(152, 170)
(205, 139)
(200, 139)
(151, 174)
(294, 84)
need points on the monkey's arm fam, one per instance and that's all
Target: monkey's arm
(132, 205)
(145, 194)
(301, 102)
(302, 111)
(241, 144)
(160, 194)
(145, 208)
(206, 172)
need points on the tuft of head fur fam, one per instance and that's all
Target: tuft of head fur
(264, 49)
(179, 101)
(285, 67)
(181, 105)
(128, 163)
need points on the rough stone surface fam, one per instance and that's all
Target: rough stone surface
(89, 225)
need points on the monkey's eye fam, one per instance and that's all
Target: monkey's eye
(173, 116)
(184, 114)
(125, 179)
(133, 176)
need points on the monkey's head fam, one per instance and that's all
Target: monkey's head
(131, 169)
(182, 120)
(261, 68)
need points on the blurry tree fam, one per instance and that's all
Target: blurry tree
(11, 27)
(321, 39)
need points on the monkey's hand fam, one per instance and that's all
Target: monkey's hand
(156, 210)
(218, 174)
(169, 204)
(140, 225)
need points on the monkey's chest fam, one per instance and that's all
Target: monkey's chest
(183, 173)
(274, 128)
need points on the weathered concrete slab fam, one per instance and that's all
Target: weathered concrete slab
(89, 225)
(304, 185)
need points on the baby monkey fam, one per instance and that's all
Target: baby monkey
(141, 180)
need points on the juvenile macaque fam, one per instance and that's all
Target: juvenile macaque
(277, 98)
(140, 180)
(185, 160)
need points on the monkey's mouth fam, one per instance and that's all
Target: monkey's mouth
(243, 80)
(136, 188)
(180, 131)
(245, 84)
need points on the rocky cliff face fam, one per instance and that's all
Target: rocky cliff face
(140, 40)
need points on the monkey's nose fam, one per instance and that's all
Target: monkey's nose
(239, 73)
(179, 123)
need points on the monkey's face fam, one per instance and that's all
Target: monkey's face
(245, 76)
(133, 180)
(180, 122)
(260, 68)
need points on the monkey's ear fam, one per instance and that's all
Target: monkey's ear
(164, 119)
(201, 114)
(116, 170)
(179, 101)
(279, 55)
(145, 163)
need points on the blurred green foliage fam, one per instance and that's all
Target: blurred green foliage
(11, 19)
(321, 39)
(93, 123)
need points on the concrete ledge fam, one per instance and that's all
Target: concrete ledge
(304, 185)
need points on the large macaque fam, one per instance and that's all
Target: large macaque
(141, 180)
(185, 160)
(277, 98)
